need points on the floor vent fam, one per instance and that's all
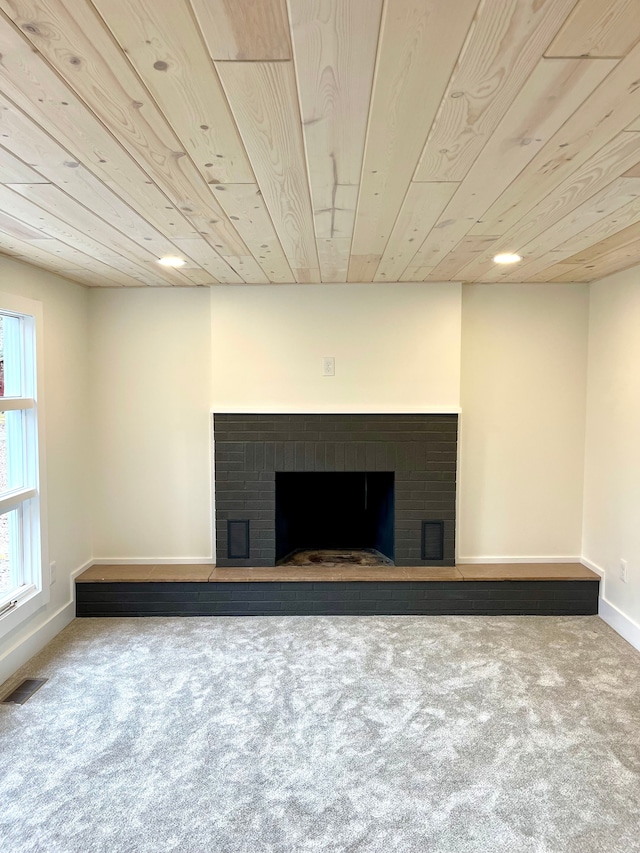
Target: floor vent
(24, 691)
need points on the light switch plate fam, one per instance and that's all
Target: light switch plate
(623, 570)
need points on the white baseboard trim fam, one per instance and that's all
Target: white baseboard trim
(500, 560)
(609, 613)
(74, 574)
(152, 561)
(621, 624)
(592, 566)
(28, 646)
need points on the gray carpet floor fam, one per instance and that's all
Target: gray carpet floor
(300, 734)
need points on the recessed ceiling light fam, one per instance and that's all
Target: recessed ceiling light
(507, 258)
(171, 261)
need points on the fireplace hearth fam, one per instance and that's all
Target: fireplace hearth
(291, 483)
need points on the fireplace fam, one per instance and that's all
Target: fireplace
(334, 511)
(285, 483)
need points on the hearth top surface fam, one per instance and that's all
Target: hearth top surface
(208, 573)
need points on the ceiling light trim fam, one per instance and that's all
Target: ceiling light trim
(506, 258)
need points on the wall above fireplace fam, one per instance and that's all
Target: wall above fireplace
(418, 450)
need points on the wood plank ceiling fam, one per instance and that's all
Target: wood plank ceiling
(320, 140)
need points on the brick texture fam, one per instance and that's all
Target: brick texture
(482, 598)
(421, 450)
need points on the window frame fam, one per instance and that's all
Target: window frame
(32, 495)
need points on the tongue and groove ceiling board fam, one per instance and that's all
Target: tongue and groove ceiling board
(320, 140)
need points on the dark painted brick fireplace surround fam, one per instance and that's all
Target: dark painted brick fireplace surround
(419, 451)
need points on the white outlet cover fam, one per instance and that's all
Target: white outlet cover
(328, 366)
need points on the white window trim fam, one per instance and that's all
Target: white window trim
(35, 595)
(15, 498)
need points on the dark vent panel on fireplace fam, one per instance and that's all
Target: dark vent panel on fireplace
(238, 540)
(432, 540)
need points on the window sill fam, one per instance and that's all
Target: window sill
(28, 602)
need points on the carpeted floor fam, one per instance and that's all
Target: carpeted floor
(341, 734)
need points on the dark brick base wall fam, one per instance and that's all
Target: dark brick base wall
(473, 598)
(421, 450)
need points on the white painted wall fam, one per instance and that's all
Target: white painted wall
(396, 346)
(522, 427)
(160, 362)
(162, 359)
(66, 391)
(612, 460)
(151, 384)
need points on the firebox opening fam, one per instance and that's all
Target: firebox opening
(334, 511)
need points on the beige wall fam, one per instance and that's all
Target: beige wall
(396, 346)
(65, 310)
(522, 427)
(161, 361)
(151, 375)
(612, 462)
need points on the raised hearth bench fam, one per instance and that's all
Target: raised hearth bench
(558, 589)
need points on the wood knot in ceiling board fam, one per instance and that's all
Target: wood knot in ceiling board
(75, 61)
(137, 105)
(31, 28)
(160, 65)
(72, 164)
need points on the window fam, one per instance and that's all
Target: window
(23, 585)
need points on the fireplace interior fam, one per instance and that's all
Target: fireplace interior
(334, 511)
